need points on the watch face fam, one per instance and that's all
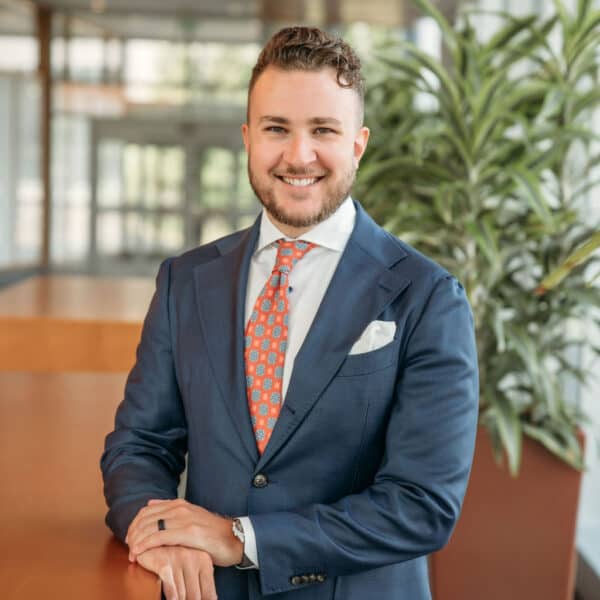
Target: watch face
(238, 530)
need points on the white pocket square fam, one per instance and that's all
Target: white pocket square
(376, 335)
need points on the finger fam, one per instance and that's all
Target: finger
(192, 584)
(168, 537)
(147, 514)
(147, 519)
(180, 584)
(150, 510)
(170, 511)
(168, 584)
(133, 527)
(151, 528)
(148, 526)
(136, 519)
(158, 501)
(206, 577)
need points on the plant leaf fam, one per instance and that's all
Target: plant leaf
(510, 431)
(565, 452)
(530, 187)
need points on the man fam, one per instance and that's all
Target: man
(320, 373)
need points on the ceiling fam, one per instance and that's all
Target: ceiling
(202, 20)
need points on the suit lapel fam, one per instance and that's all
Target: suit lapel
(362, 286)
(220, 286)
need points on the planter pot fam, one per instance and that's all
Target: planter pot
(515, 539)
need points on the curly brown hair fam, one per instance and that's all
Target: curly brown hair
(311, 49)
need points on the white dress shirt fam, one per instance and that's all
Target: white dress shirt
(305, 293)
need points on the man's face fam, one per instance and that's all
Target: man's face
(304, 142)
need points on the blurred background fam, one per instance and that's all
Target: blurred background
(120, 134)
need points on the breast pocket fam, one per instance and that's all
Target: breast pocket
(370, 362)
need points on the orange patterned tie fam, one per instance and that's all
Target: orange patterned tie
(266, 343)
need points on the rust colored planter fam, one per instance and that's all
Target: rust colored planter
(515, 539)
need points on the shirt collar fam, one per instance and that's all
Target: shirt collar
(332, 233)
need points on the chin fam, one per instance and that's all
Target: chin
(303, 208)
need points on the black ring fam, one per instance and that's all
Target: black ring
(161, 525)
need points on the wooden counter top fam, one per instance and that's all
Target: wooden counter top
(72, 323)
(53, 540)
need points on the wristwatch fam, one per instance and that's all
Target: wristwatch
(238, 530)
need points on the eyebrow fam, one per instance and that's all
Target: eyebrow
(313, 121)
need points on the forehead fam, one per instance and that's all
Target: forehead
(302, 95)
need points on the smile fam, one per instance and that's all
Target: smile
(299, 182)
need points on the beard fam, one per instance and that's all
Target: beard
(334, 193)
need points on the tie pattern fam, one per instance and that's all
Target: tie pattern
(266, 342)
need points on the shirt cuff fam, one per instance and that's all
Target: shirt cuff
(249, 542)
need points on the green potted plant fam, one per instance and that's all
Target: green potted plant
(482, 162)
(574, 260)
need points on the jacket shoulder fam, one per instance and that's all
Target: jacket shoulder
(396, 253)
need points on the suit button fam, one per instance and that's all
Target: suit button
(305, 579)
(295, 580)
(313, 578)
(260, 481)
(321, 578)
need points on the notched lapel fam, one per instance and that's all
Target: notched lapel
(220, 286)
(360, 290)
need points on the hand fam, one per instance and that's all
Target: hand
(186, 525)
(185, 573)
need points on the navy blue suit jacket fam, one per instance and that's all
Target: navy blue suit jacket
(368, 462)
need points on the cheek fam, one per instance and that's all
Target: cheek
(264, 157)
(340, 158)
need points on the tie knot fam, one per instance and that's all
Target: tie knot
(289, 253)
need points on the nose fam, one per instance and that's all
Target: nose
(299, 151)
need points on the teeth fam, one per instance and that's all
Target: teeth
(300, 182)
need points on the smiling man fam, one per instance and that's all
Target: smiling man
(320, 374)
(304, 141)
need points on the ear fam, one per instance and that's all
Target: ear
(360, 144)
(245, 136)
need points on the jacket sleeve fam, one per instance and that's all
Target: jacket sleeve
(145, 454)
(414, 500)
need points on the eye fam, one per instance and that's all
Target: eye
(275, 129)
(323, 130)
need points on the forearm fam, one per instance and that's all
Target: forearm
(128, 488)
(145, 454)
(386, 524)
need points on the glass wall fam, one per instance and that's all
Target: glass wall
(20, 184)
(147, 155)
